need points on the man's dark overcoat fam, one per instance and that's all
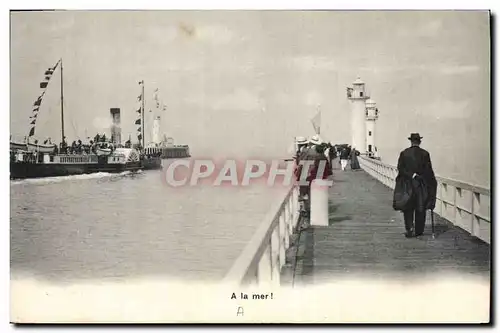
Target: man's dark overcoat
(415, 160)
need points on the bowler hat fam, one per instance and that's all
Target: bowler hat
(415, 137)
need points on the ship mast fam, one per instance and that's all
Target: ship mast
(62, 104)
(142, 115)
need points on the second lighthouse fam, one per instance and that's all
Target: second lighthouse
(357, 95)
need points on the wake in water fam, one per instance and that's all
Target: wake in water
(100, 176)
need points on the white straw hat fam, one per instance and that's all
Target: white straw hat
(316, 140)
(300, 140)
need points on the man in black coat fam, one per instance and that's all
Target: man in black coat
(414, 164)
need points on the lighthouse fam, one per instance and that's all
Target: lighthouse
(357, 95)
(371, 118)
(156, 130)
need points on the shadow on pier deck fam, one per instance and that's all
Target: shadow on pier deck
(365, 239)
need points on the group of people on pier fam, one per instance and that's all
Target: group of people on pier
(415, 188)
(347, 153)
(316, 151)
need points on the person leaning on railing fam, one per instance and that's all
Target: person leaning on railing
(314, 153)
(301, 145)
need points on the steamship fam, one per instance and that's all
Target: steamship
(29, 159)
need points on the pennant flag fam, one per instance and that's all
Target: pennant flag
(139, 110)
(141, 82)
(139, 137)
(138, 122)
(38, 102)
(316, 122)
(57, 64)
(139, 129)
(139, 97)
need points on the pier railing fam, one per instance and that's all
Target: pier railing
(465, 205)
(264, 256)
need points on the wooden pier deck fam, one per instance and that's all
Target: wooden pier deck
(365, 238)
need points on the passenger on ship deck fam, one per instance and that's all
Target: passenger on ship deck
(64, 146)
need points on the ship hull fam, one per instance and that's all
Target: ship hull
(40, 170)
(152, 163)
(175, 152)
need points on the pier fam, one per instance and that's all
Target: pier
(365, 234)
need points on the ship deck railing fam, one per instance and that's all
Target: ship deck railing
(90, 158)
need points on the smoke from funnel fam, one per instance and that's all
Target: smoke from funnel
(116, 132)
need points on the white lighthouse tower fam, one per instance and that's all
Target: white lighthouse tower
(371, 118)
(156, 130)
(357, 95)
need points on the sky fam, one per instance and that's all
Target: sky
(248, 82)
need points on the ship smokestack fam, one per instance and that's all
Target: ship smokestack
(116, 131)
(156, 130)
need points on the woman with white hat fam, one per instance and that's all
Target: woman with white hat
(315, 140)
(301, 142)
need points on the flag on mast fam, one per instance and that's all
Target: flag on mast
(316, 122)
